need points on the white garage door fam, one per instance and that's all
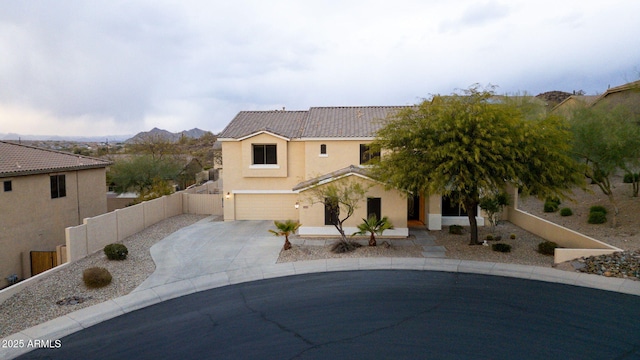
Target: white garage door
(266, 207)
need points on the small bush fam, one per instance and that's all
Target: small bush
(547, 247)
(566, 212)
(497, 237)
(550, 206)
(512, 236)
(455, 229)
(500, 247)
(554, 200)
(597, 217)
(629, 178)
(340, 247)
(598, 208)
(96, 277)
(489, 237)
(116, 251)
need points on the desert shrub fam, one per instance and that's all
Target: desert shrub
(497, 237)
(566, 212)
(116, 251)
(550, 206)
(598, 208)
(597, 217)
(501, 247)
(629, 178)
(96, 277)
(512, 236)
(455, 229)
(340, 247)
(547, 247)
(489, 237)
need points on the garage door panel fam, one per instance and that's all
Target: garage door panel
(266, 207)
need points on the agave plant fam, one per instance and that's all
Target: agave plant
(285, 229)
(373, 226)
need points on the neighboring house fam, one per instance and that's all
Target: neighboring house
(627, 95)
(42, 192)
(272, 158)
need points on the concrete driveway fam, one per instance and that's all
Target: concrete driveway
(211, 247)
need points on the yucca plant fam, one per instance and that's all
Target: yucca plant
(285, 229)
(373, 226)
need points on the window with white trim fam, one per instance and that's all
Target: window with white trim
(265, 154)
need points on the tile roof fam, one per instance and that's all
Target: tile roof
(283, 123)
(19, 160)
(342, 122)
(334, 175)
(317, 122)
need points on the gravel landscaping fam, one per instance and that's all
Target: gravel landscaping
(63, 291)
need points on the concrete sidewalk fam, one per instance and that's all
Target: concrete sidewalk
(211, 254)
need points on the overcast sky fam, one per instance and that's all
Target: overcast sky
(120, 67)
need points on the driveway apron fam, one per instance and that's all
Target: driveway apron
(210, 247)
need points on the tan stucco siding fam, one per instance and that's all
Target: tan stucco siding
(266, 206)
(393, 205)
(340, 154)
(236, 165)
(32, 221)
(277, 170)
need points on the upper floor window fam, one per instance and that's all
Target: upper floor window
(366, 154)
(323, 149)
(265, 154)
(8, 186)
(58, 186)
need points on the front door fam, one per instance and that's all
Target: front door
(413, 208)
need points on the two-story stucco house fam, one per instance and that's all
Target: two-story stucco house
(272, 158)
(41, 193)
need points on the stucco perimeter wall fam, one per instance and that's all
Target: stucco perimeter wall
(575, 245)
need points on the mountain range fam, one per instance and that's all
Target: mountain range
(193, 133)
(155, 132)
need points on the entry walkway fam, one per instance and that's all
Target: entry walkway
(212, 254)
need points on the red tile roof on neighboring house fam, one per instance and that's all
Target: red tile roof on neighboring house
(20, 160)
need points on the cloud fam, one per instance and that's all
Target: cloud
(193, 63)
(476, 15)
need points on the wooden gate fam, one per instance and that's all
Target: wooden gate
(42, 261)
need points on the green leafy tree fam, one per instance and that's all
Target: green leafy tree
(285, 229)
(373, 226)
(341, 198)
(155, 145)
(604, 141)
(145, 175)
(472, 143)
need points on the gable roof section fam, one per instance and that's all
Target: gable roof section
(20, 160)
(332, 176)
(318, 122)
(346, 122)
(287, 124)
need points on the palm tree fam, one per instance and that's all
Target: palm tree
(374, 227)
(285, 229)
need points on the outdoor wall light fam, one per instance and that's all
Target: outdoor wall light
(228, 195)
(297, 205)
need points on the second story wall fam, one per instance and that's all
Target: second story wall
(241, 174)
(33, 220)
(338, 155)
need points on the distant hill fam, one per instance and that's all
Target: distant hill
(553, 98)
(110, 138)
(194, 133)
